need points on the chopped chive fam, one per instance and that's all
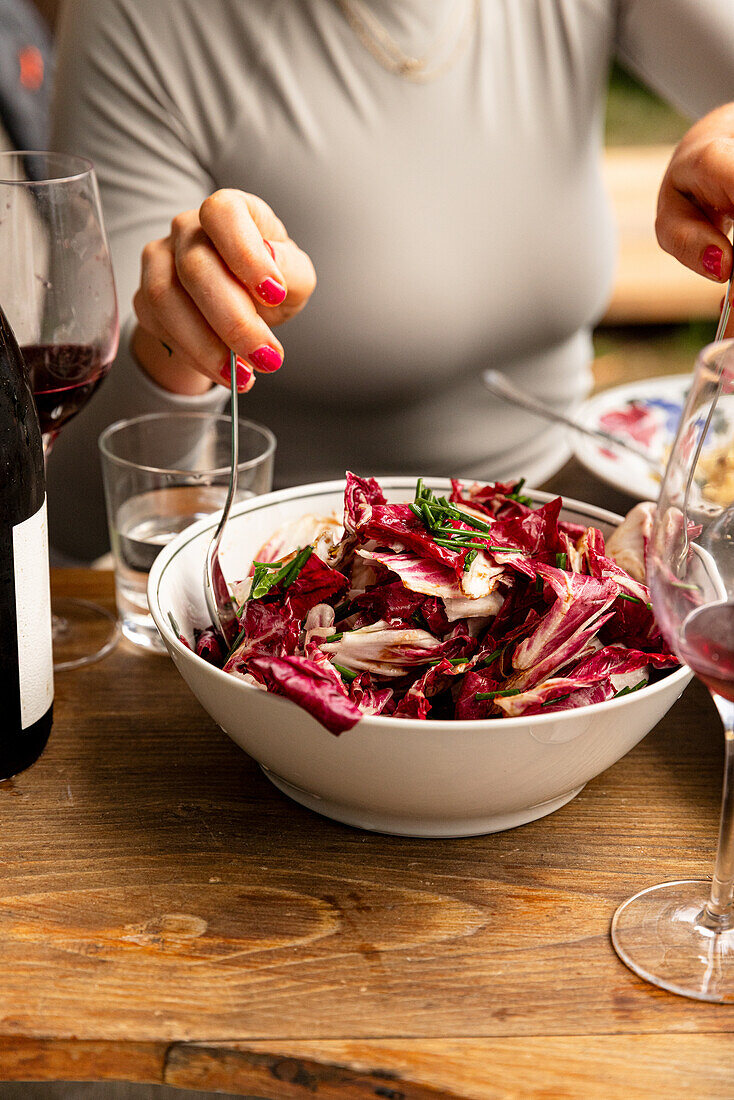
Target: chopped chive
(505, 549)
(345, 673)
(628, 690)
(236, 643)
(459, 544)
(451, 660)
(469, 559)
(265, 579)
(416, 511)
(493, 656)
(557, 699)
(632, 599)
(341, 611)
(335, 637)
(561, 561)
(495, 694)
(538, 583)
(683, 584)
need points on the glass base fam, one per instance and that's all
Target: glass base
(83, 632)
(663, 935)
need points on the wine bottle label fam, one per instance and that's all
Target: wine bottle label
(33, 617)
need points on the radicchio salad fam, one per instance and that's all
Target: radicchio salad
(473, 606)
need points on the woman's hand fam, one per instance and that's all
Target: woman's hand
(696, 200)
(224, 276)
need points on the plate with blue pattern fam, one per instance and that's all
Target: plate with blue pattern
(646, 413)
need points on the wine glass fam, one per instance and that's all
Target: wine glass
(58, 292)
(680, 935)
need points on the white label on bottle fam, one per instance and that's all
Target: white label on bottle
(33, 614)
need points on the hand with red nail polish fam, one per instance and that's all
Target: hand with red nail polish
(696, 199)
(224, 278)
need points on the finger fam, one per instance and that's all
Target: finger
(706, 174)
(224, 302)
(684, 230)
(301, 277)
(165, 309)
(228, 219)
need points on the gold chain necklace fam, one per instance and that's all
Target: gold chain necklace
(374, 37)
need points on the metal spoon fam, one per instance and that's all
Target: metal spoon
(500, 385)
(220, 605)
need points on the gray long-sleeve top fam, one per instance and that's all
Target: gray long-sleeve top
(454, 225)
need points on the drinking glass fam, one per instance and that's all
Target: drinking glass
(58, 291)
(680, 935)
(162, 472)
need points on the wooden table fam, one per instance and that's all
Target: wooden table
(167, 916)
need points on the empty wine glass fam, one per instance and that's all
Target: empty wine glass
(680, 935)
(58, 292)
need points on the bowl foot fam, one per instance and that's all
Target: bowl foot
(423, 826)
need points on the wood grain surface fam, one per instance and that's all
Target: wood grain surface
(167, 915)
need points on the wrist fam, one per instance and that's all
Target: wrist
(156, 360)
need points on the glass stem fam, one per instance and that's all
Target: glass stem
(718, 908)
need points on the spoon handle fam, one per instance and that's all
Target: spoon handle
(500, 385)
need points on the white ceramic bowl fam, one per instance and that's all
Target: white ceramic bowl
(389, 774)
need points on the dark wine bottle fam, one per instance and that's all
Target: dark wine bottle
(26, 660)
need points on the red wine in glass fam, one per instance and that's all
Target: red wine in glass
(707, 644)
(63, 378)
(58, 291)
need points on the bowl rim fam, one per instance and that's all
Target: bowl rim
(377, 721)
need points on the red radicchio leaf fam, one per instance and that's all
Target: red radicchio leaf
(393, 603)
(316, 583)
(360, 495)
(208, 646)
(392, 524)
(269, 628)
(467, 705)
(303, 682)
(367, 697)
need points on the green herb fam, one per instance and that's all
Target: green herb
(561, 561)
(469, 559)
(628, 690)
(632, 599)
(493, 655)
(538, 583)
(495, 694)
(335, 637)
(266, 578)
(451, 660)
(460, 544)
(683, 584)
(345, 673)
(341, 611)
(174, 624)
(237, 642)
(557, 699)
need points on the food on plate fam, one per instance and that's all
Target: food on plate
(475, 605)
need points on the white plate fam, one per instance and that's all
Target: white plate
(647, 414)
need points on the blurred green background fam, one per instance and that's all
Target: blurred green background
(637, 117)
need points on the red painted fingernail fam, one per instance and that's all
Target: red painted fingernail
(244, 373)
(269, 247)
(272, 293)
(266, 358)
(712, 260)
